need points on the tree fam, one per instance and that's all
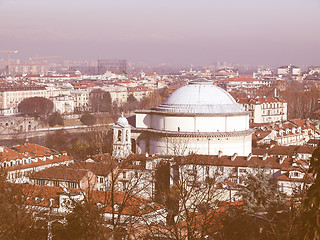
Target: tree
(132, 103)
(101, 139)
(55, 119)
(191, 201)
(17, 221)
(88, 119)
(85, 221)
(107, 100)
(165, 94)
(59, 140)
(311, 212)
(100, 101)
(80, 150)
(151, 101)
(36, 106)
(118, 207)
(263, 213)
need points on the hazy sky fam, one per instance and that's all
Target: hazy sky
(165, 31)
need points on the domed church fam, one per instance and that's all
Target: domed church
(199, 118)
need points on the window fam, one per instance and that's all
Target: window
(119, 135)
(127, 135)
(73, 185)
(101, 180)
(56, 183)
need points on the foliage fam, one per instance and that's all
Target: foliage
(311, 211)
(260, 194)
(16, 221)
(151, 101)
(59, 140)
(132, 103)
(191, 203)
(100, 101)
(55, 119)
(302, 101)
(99, 139)
(88, 119)
(80, 150)
(85, 221)
(263, 213)
(36, 106)
(165, 94)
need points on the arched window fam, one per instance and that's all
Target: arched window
(119, 135)
(127, 135)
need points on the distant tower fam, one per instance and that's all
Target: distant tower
(121, 138)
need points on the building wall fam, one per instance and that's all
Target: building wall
(267, 112)
(17, 125)
(10, 99)
(204, 145)
(194, 123)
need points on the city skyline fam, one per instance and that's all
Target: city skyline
(155, 32)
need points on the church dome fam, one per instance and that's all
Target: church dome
(200, 96)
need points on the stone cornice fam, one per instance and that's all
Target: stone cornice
(180, 114)
(195, 134)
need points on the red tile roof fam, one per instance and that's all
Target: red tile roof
(100, 169)
(291, 150)
(60, 173)
(285, 177)
(34, 150)
(258, 135)
(239, 161)
(128, 204)
(261, 100)
(7, 154)
(33, 164)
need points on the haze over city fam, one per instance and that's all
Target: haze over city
(174, 32)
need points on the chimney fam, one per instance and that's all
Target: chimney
(281, 160)
(233, 157)
(249, 157)
(265, 156)
(219, 154)
(147, 154)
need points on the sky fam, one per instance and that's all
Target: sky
(259, 32)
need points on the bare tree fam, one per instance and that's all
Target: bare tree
(191, 202)
(17, 219)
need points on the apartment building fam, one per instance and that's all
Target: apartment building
(265, 109)
(10, 97)
(81, 100)
(24, 160)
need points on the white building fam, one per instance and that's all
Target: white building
(10, 97)
(81, 99)
(198, 118)
(63, 104)
(265, 109)
(289, 70)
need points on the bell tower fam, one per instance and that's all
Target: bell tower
(121, 138)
